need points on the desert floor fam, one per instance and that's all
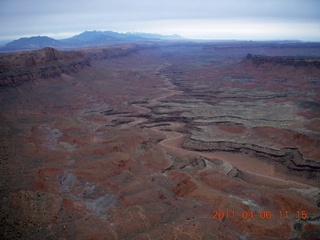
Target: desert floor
(172, 141)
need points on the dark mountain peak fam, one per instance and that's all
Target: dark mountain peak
(88, 35)
(29, 43)
(84, 39)
(93, 38)
(98, 37)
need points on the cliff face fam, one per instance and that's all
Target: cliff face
(17, 68)
(291, 158)
(290, 61)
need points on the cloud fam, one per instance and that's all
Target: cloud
(36, 17)
(235, 29)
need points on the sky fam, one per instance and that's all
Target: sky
(196, 19)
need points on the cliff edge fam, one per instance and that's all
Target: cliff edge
(18, 68)
(290, 61)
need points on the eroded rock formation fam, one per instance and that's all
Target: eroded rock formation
(290, 61)
(288, 157)
(17, 68)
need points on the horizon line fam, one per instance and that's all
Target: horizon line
(6, 41)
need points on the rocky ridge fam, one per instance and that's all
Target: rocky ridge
(291, 158)
(291, 61)
(17, 68)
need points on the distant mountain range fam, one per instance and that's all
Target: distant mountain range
(85, 39)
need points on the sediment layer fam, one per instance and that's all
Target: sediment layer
(290, 61)
(288, 157)
(18, 68)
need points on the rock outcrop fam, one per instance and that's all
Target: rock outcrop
(290, 61)
(291, 158)
(17, 68)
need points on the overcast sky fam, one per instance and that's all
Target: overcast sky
(201, 19)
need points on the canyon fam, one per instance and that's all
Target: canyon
(165, 140)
